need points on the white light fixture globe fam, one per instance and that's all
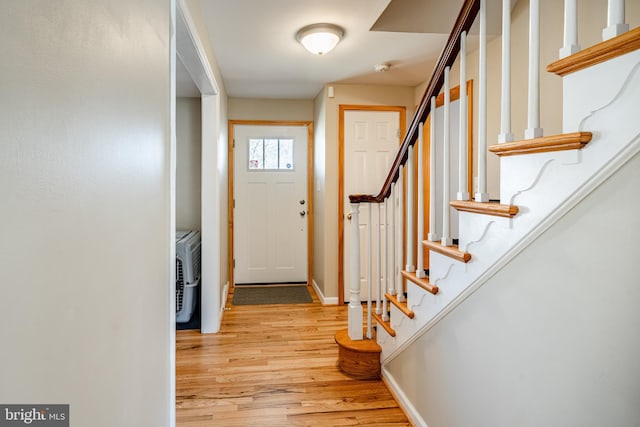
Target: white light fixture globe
(319, 38)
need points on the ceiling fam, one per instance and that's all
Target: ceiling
(258, 56)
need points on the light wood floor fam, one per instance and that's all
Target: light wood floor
(275, 365)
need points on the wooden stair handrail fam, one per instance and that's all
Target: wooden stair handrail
(465, 20)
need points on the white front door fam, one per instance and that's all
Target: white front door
(371, 140)
(271, 206)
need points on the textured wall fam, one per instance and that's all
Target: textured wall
(85, 190)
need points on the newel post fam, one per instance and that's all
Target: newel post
(355, 313)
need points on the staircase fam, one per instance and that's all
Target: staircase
(542, 180)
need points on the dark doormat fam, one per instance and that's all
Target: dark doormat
(265, 294)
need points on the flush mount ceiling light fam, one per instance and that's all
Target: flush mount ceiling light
(319, 38)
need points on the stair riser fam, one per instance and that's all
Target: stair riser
(386, 342)
(475, 228)
(592, 88)
(400, 322)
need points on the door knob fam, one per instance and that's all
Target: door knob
(302, 213)
(349, 216)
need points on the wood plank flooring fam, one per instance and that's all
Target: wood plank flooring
(275, 365)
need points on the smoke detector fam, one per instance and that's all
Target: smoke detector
(382, 68)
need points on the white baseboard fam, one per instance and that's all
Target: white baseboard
(324, 300)
(410, 411)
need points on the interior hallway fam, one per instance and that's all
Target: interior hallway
(275, 365)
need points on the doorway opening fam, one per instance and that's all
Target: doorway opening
(191, 63)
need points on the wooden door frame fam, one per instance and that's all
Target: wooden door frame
(342, 109)
(230, 189)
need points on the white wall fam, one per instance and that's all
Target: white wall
(270, 109)
(550, 340)
(85, 189)
(188, 158)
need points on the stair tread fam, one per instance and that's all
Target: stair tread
(450, 251)
(423, 283)
(402, 305)
(491, 208)
(600, 52)
(561, 142)
(385, 325)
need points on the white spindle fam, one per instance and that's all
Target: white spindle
(433, 234)
(615, 20)
(481, 193)
(463, 192)
(400, 246)
(533, 122)
(446, 239)
(379, 279)
(410, 238)
(355, 307)
(420, 262)
(392, 254)
(369, 270)
(571, 45)
(385, 279)
(505, 105)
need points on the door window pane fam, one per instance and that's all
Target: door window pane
(286, 154)
(256, 154)
(270, 154)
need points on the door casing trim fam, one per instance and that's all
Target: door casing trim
(230, 189)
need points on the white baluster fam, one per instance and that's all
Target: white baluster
(379, 266)
(615, 20)
(420, 262)
(369, 270)
(433, 234)
(463, 192)
(446, 239)
(355, 307)
(533, 123)
(385, 278)
(571, 45)
(400, 247)
(392, 254)
(505, 105)
(481, 193)
(410, 238)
